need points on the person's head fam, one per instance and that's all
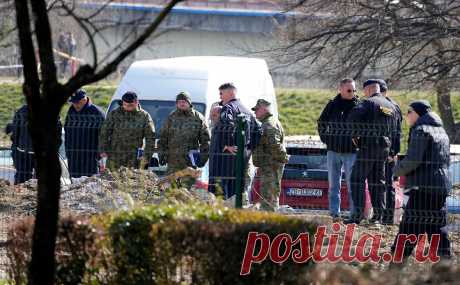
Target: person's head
(347, 88)
(383, 87)
(417, 109)
(227, 92)
(371, 86)
(262, 108)
(78, 99)
(130, 102)
(183, 101)
(215, 113)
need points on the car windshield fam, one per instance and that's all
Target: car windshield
(159, 110)
(307, 158)
(313, 161)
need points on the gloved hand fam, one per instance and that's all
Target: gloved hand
(162, 159)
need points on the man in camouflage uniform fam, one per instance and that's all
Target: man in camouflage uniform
(185, 132)
(123, 133)
(269, 156)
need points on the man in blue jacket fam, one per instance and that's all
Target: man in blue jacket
(222, 159)
(426, 168)
(21, 145)
(82, 126)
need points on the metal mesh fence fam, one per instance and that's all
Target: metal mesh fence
(415, 193)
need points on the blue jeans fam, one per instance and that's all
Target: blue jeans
(335, 163)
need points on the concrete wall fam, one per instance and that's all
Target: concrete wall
(185, 33)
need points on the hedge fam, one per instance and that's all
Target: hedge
(166, 244)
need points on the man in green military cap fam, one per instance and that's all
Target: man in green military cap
(184, 137)
(123, 133)
(269, 156)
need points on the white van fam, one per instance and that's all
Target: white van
(157, 82)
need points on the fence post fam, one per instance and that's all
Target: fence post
(240, 139)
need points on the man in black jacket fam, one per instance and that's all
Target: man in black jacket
(341, 153)
(372, 125)
(82, 127)
(222, 159)
(390, 163)
(426, 168)
(21, 145)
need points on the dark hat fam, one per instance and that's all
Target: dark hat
(226, 86)
(383, 85)
(77, 96)
(129, 97)
(421, 107)
(370, 82)
(184, 96)
(261, 102)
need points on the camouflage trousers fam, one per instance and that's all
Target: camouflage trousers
(270, 186)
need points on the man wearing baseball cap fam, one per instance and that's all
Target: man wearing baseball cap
(123, 134)
(82, 127)
(269, 156)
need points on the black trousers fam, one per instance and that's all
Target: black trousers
(24, 164)
(424, 214)
(370, 166)
(388, 215)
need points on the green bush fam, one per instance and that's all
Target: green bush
(199, 244)
(165, 244)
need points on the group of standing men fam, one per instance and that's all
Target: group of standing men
(126, 137)
(363, 138)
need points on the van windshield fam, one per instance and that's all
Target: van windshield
(159, 110)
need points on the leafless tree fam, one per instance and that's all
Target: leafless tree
(45, 96)
(413, 43)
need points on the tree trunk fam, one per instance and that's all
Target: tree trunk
(46, 138)
(446, 112)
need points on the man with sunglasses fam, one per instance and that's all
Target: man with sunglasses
(341, 152)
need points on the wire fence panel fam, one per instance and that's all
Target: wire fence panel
(103, 160)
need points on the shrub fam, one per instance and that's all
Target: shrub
(197, 244)
(74, 248)
(163, 244)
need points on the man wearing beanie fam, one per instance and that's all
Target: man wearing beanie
(372, 124)
(184, 137)
(390, 163)
(426, 168)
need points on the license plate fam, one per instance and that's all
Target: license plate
(304, 192)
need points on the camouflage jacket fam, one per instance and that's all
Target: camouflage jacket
(123, 133)
(182, 132)
(271, 150)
